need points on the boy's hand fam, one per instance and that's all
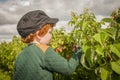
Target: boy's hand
(59, 49)
(75, 48)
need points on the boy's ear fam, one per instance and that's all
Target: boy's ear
(37, 36)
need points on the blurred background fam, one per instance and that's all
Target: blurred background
(12, 10)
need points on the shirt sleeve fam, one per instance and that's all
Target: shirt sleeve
(56, 63)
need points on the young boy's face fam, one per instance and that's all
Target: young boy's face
(47, 37)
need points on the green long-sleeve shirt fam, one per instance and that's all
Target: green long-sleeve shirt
(34, 64)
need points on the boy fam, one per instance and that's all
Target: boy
(38, 61)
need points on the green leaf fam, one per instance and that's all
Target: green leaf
(119, 34)
(100, 37)
(104, 73)
(116, 66)
(99, 50)
(84, 25)
(115, 48)
(83, 62)
(107, 20)
(110, 32)
(89, 57)
(86, 45)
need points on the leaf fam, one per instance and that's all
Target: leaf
(100, 37)
(84, 25)
(86, 45)
(104, 73)
(83, 62)
(89, 53)
(110, 32)
(89, 57)
(107, 20)
(116, 66)
(119, 34)
(99, 50)
(115, 48)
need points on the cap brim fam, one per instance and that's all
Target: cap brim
(52, 20)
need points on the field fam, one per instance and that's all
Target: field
(101, 48)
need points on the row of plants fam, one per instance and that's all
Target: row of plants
(101, 47)
(4, 75)
(8, 54)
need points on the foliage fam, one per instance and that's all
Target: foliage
(4, 75)
(101, 47)
(116, 15)
(8, 53)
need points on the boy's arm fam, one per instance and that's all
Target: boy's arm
(57, 63)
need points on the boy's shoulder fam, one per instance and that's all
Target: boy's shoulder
(42, 47)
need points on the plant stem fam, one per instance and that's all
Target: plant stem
(110, 56)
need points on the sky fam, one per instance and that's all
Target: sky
(12, 10)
